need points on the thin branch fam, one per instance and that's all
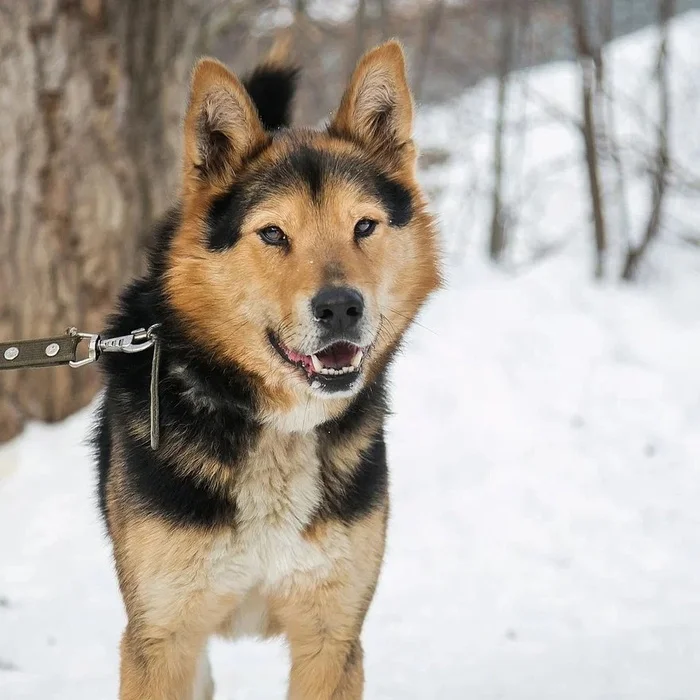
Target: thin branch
(660, 178)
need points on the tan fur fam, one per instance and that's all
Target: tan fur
(378, 85)
(279, 572)
(281, 569)
(218, 102)
(394, 285)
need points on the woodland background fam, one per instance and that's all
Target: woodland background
(544, 445)
(92, 93)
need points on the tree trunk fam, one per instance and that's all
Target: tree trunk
(91, 93)
(384, 19)
(587, 60)
(498, 238)
(359, 46)
(431, 24)
(605, 85)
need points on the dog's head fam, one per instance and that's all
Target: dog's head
(302, 256)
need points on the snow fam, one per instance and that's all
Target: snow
(545, 533)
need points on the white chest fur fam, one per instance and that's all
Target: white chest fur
(268, 552)
(277, 495)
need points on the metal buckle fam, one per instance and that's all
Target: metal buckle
(92, 350)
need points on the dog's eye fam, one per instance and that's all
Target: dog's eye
(273, 235)
(364, 228)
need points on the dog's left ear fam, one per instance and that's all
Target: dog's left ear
(377, 108)
(222, 126)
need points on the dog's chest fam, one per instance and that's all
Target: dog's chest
(277, 494)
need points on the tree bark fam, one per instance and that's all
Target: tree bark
(91, 93)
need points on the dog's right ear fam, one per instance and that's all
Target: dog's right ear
(222, 126)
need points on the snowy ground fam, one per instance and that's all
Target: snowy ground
(545, 536)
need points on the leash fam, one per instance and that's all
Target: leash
(63, 350)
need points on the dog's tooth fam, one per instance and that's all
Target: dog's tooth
(358, 358)
(318, 366)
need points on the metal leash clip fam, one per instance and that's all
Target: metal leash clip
(136, 341)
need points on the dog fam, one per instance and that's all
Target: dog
(283, 281)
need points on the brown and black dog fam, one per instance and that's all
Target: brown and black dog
(283, 281)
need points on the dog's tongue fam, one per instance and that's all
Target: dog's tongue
(337, 356)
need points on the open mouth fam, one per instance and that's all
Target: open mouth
(338, 362)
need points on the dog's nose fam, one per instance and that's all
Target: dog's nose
(338, 308)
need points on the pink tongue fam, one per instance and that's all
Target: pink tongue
(337, 356)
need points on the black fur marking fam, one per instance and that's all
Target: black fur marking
(395, 198)
(350, 497)
(315, 167)
(224, 431)
(102, 443)
(370, 405)
(157, 487)
(272, 90)
(224, 219)
(311, 168)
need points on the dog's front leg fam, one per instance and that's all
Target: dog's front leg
(324, 668)
(164, 668)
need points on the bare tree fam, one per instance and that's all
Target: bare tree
(499, 224)
(92, 93)
(588, 58)
(661, 167)
(358, 46)
(431, 24)
(384, 18)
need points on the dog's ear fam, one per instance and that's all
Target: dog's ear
(222, 126)
(377, 108)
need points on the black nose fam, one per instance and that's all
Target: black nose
(338, 308)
